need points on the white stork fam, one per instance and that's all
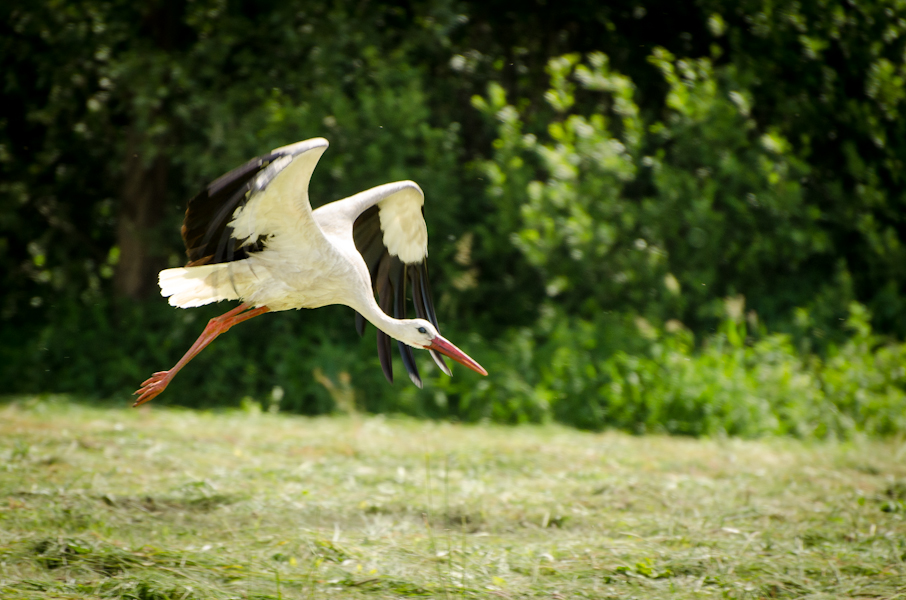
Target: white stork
(252, 236)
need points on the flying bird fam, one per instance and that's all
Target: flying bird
(252, 236)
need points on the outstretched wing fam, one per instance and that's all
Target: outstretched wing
(392, 238)
(237, 213)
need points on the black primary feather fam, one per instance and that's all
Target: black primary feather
(424, 308)
(398, 278)
(385, 301)
(369, 240)
(366, 234)
(206, 231)
(359, 323)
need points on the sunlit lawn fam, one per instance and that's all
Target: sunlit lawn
(154, 504)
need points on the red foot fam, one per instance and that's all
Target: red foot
(152, 387)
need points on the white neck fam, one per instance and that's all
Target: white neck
(398, 329)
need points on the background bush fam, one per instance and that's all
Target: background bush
(602, 183)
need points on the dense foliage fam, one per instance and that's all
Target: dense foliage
(603, 182)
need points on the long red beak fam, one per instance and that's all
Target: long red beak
(446, 348)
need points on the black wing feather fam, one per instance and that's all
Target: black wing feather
(359, 323)
(398, 278)
(385, 300)
(424, 307)
(390, 278)
(426, 294)
(369, 240)
(206, 231)
(367, 236)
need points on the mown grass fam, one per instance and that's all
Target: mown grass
(153, 504)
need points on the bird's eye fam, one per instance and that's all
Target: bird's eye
(422, 330)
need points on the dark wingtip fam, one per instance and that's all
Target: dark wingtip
(359, 323)
(441, 363)
(409, 363)
(416, 380)
(383, 348)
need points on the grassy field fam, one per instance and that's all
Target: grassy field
(152, 504)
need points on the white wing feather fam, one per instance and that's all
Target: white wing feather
(400, 209)
(405, 232)
(279, 197)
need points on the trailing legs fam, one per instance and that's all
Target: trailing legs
(158, 382)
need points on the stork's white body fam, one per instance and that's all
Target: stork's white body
(252, 236)
(311, 259)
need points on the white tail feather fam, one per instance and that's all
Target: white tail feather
(187, 287)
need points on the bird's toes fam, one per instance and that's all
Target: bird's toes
(146, 395)
(154, 378)
(151, 387)
(142, 391)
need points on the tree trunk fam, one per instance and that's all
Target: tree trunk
(143, 205)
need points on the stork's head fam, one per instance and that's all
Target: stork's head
(422, 334)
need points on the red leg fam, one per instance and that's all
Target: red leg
(158, 382)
